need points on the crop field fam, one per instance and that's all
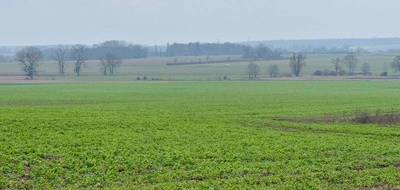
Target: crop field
(156, 68)
(215, 135)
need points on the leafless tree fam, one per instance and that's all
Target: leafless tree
(253, 70)
(273, 71)
(297, 63)
(351, 61)
(79, 55)
(29, 57)
(60, 55)
(337, 65)
(109, 63)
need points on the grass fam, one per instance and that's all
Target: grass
(220, 135)
(157, 68)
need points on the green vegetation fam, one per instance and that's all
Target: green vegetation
(196, 135)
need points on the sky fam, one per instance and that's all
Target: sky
(41, 22)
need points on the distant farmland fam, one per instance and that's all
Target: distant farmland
(218, 68)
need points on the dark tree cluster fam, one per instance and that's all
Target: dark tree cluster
(260, 52)
(202, 49)
(120, 49)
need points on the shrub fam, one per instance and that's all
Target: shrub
(317, 73)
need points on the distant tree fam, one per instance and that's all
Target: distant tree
(109, 63)
(337, 65)
(297, 63)
(60, 55)
(263, 52)
(260, 52)
(112, 56)
(248, 52)
(273, 71)
(351, 61)
(366, 69)
(79, 55)
(396, 64)
(253, 70)
(29, 57)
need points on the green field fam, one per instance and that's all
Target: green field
(157, 68)
(215, 135)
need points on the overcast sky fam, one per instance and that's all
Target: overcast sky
(27, 22)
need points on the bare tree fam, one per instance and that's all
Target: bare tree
(112, 55)
(396, 64)
(109, 63)
(297, 63)
(273, 71)
(337, 65)
(29, 57)
(253, 70)
(351, 61)
(60, 55)
(79, 55)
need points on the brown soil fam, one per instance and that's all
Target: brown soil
(381, 118)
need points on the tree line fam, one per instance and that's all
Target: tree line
(297, 62)
(112, 53)
(213, 49)
(342, 66)
(111, 56)
(124, 50)
(347, 65)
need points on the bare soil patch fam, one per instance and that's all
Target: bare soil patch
(378, 117)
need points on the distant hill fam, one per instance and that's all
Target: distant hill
(371, 44)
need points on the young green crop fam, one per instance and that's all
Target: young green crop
(222, 135)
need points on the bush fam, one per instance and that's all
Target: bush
(317, 73)
(384, 74)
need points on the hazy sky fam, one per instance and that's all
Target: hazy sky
(24, 22)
